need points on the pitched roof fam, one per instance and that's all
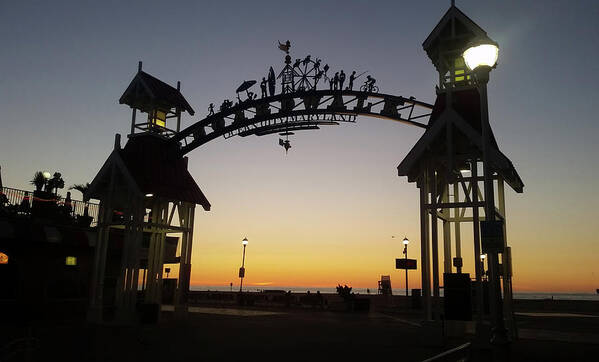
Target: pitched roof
(453, 13)
(453, 33)
(145, 92)
(465, 116)
(156, 167)
(150, 165)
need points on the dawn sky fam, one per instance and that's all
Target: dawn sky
(325, 213)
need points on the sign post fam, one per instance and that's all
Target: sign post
(407, 264)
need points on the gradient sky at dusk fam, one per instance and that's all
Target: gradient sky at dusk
(325, 213)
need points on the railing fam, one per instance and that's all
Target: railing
(15, 198)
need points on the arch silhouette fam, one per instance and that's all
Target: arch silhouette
(300, 110)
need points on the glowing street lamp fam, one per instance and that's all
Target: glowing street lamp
(481, 53)
(482, 263)
(242, 269)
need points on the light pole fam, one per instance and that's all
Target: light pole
(482, 264)
(242, 269)
(480, 57)
(405, 251)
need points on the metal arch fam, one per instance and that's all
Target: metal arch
(301, 110)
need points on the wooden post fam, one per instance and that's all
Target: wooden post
(446, 233)
(104, 220)
(434, 242)
(424, 246)
(457, 216)
(476, 237)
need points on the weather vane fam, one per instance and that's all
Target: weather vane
(285, 47)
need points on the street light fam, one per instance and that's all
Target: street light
(405, 251)
(480, 57)
(242, 269)
(482, 52)
(482, 264)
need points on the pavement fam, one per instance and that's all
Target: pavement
(252, 334)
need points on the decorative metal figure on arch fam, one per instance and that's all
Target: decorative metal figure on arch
(300, 105)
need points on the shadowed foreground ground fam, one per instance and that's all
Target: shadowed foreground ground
(285, 336)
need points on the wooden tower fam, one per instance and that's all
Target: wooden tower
(147, 205)
(447, 166)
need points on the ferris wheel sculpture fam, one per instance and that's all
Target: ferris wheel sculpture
(307, 73)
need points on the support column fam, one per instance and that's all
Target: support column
(186, 216)
(506, 262)
(457, 217)
(446, 233)
(104, 219)
(434, 243)
(476, 237)
(424, 246)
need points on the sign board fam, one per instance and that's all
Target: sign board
(405, 264)
(241, 272)
(491, 233)
(457, 262)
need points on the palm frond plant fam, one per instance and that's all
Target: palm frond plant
(83, 188)
(38, 180)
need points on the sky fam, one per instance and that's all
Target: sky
(332, 210)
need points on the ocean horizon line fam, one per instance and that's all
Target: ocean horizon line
(396, 291)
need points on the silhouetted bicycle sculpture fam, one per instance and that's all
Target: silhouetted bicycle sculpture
(300, 106)
(369, 88)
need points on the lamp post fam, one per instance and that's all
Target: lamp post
(242, 269)
(482, 263)
(480, 57)
(405, 251)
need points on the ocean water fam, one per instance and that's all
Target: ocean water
(517, 295)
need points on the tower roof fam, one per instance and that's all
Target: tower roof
(453, 32)
(146, 92)
(149, 165)
(464, 115)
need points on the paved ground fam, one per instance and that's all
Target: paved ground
(231, 334)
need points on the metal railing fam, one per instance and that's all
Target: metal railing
(15, 198)
(457, 354)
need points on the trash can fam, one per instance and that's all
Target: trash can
(416, 298)
(148, 313)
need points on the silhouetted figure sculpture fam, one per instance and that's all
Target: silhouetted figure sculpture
(341, 79)
(297, 63)
(369, 83)
(326, 68)
(331, 84)
(306, 60)
(352, 77)
(263, 87)
(317, 78)
(211, 109)
(226, 105)
(68, 204)
(317, 65)
(336, 81)
(24, 207)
